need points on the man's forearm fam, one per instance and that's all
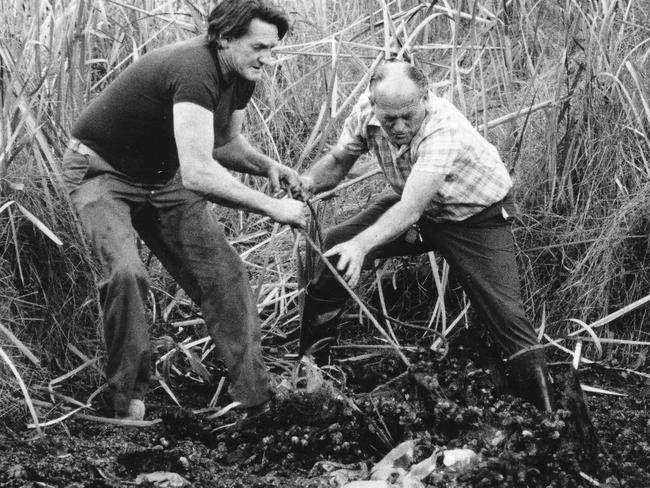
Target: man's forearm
(392, 224)
(420, 188)
(329, 171)
(216, 184)
(239, 155)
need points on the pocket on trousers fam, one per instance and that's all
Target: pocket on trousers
(75, 167)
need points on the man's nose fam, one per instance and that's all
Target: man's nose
(399, 126)
(266, 57)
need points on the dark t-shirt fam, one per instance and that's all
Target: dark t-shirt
(130, 124)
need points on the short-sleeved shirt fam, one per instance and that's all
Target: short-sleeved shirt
(471, 172)
(130, 124)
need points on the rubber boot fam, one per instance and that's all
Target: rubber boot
(318, 328)
(528, 377)
(571, 398)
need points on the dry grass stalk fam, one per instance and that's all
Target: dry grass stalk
(21, 347)
(121, 422)
(23, 388)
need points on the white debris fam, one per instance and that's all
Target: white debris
(425, 468)
(459, 459)
(162, 479)
(498, 437)
(396, 470)
(394, 464)
(369, 484)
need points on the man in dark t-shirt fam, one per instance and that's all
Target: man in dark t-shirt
(147, 156)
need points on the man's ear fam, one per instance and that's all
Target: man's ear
(222, 42)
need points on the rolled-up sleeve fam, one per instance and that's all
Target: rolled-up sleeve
(353, 138)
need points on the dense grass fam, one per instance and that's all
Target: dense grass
(561, 87)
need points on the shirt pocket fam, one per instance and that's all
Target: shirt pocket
(448, 192)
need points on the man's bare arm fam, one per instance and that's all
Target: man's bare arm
(328, 171)
(234, 152)
(419, 190)
(193, 131)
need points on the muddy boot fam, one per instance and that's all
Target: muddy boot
(318, 327)
(528, 379)
(572, 399)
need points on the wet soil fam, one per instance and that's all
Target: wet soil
(351, 416)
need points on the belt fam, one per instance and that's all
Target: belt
(79, 147)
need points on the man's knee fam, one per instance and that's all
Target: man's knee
(127, 276)
(229, 292)
(236, 273)
(334, 236)
(231, 281)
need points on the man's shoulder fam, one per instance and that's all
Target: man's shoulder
(194, 50)
(442, 108)
(196, 44)
(443, 114)
(189, 63)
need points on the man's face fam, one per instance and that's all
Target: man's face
(400, 115)
(245, 56)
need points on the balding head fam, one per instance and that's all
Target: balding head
(397, 80)
(399, 95)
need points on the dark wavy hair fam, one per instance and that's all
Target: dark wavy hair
(413, 73)
(230, 19)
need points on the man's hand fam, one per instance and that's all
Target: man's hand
(281, 176)
(307, 187)
(288, 211)
(351, 257)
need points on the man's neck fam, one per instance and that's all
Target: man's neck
(225, 68)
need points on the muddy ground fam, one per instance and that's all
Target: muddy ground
(366, 407)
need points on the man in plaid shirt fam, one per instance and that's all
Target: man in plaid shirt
(451, 183)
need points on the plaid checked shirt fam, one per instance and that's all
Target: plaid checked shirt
(470, 168)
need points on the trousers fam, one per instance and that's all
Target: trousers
(480, 251)
(181, 230)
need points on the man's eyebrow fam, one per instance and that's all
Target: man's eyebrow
(406, 113)
(263, 44)
(399, 114)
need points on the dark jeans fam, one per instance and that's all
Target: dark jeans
(480, 250)
(180, 229)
